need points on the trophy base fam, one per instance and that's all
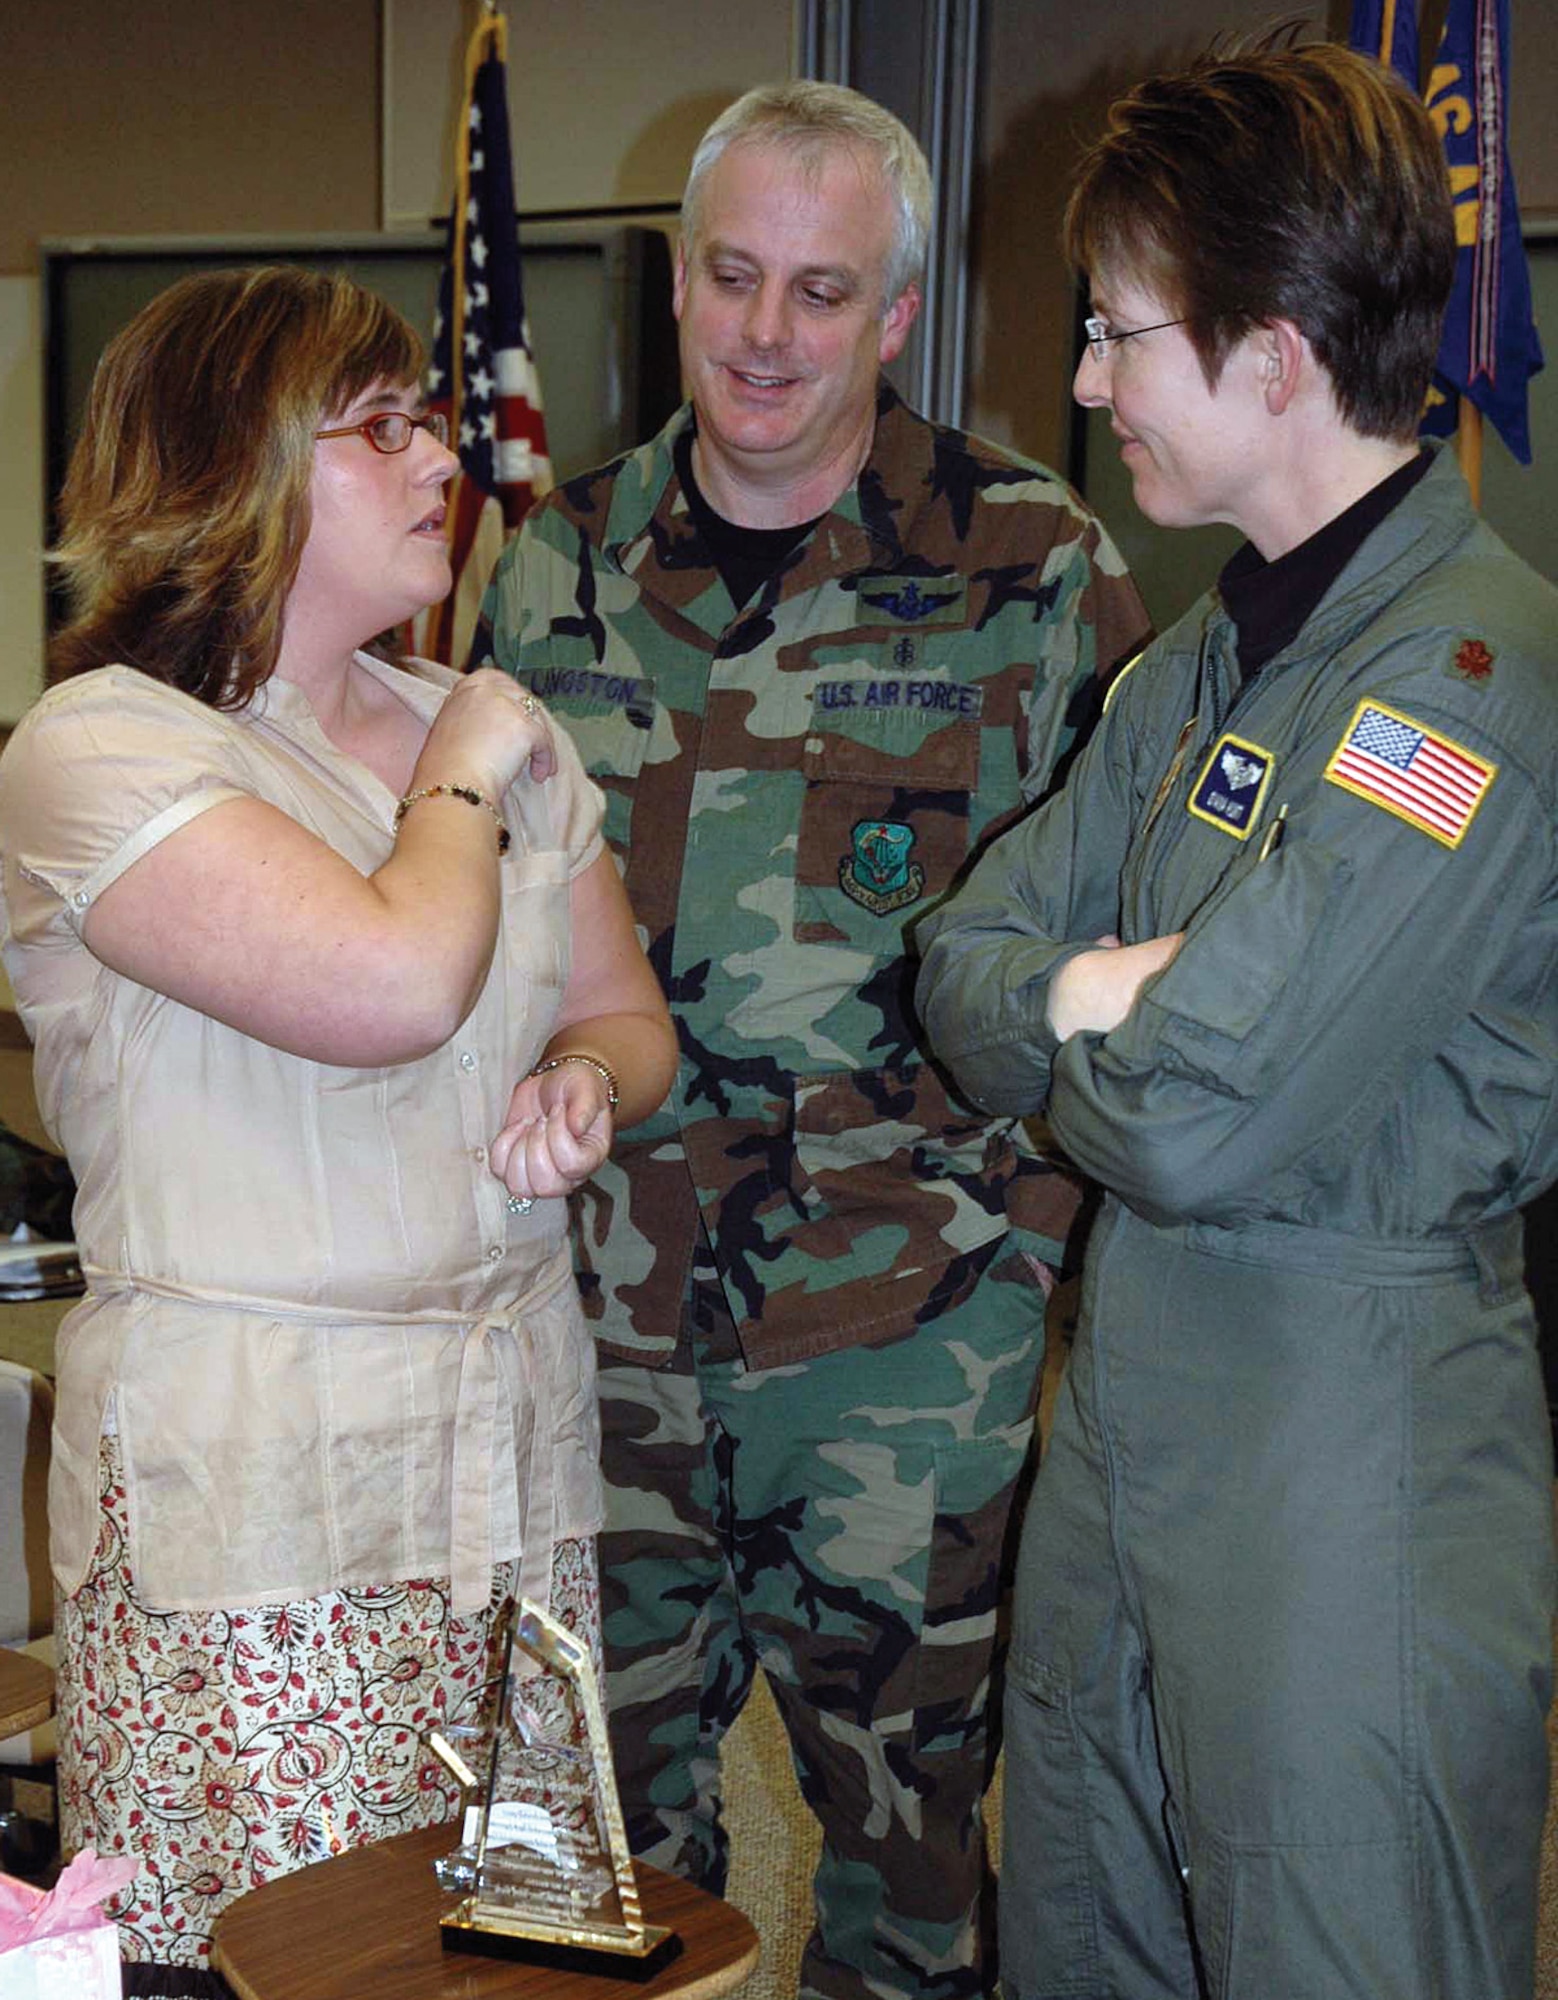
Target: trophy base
(625, 1954)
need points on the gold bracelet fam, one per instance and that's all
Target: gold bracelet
(595, 1063)
(471, 796)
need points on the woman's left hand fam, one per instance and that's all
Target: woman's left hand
(1098, 988)
(558, 1131)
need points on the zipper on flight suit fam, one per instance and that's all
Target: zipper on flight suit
(1149, 856)
(1190, 740)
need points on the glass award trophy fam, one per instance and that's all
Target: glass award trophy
(543, 1868)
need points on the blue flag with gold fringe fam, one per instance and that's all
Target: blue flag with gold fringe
(1490, 348)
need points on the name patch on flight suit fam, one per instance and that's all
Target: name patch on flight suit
(1232, 788)
(912, 600)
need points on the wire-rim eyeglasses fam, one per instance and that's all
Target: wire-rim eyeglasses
(1100, 334)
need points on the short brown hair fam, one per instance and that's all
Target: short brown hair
(186, 507)
(1282, 183)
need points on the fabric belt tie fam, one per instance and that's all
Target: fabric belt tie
(475, 1452)
(471, 1559)
(1492, 1251)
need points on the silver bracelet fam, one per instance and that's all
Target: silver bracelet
(471, 796)
(595, 1063)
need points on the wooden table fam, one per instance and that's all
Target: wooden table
(366, 1923)
(26, 1692)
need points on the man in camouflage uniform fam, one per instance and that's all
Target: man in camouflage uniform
(813, 648)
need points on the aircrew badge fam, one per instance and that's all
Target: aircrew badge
(877, 873)
(1473, 662)
(1232, 786)
(912, 600)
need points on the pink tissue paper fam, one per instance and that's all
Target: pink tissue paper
(57, 1944)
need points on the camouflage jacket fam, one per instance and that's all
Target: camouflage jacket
(787, 786)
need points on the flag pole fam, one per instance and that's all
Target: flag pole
(490, 28)
(482, 373)
(1468, 449)
(1387, 32)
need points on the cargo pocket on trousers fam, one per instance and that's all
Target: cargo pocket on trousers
(1339, 1914)
(1046, 1892)
(975, 1480)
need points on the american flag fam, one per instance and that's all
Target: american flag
(482, 374)
(1422, 778)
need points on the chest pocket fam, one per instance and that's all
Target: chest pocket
(890, 768)
(611, 718)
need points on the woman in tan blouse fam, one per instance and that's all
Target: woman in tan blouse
(335, 994)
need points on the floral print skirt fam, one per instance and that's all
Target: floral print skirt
(223, 1748)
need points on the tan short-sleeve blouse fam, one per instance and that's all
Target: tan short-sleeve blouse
(335, 1354)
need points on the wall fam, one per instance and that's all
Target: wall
(187, 115)
(1046, 89)
(607, 97)
(217, 117)
(169, 116)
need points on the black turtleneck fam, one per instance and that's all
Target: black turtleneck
(1269, 601)
(745, 557)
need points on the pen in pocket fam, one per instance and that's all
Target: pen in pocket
(1274, 834)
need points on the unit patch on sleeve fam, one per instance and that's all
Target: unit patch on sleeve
(1426, 779)
(1232, 787)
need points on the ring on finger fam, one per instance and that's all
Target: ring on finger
(521, 1204)
(530, 705)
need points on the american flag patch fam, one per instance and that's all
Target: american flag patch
(1421, 777)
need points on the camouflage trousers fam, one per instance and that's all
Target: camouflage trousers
(846, 1524)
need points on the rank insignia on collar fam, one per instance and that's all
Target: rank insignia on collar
(877, 873)
(1473, 662)
(1232, 787)
(912, 600)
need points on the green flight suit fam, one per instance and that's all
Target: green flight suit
(1282, 1647)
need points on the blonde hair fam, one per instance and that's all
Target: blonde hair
(186, 507)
